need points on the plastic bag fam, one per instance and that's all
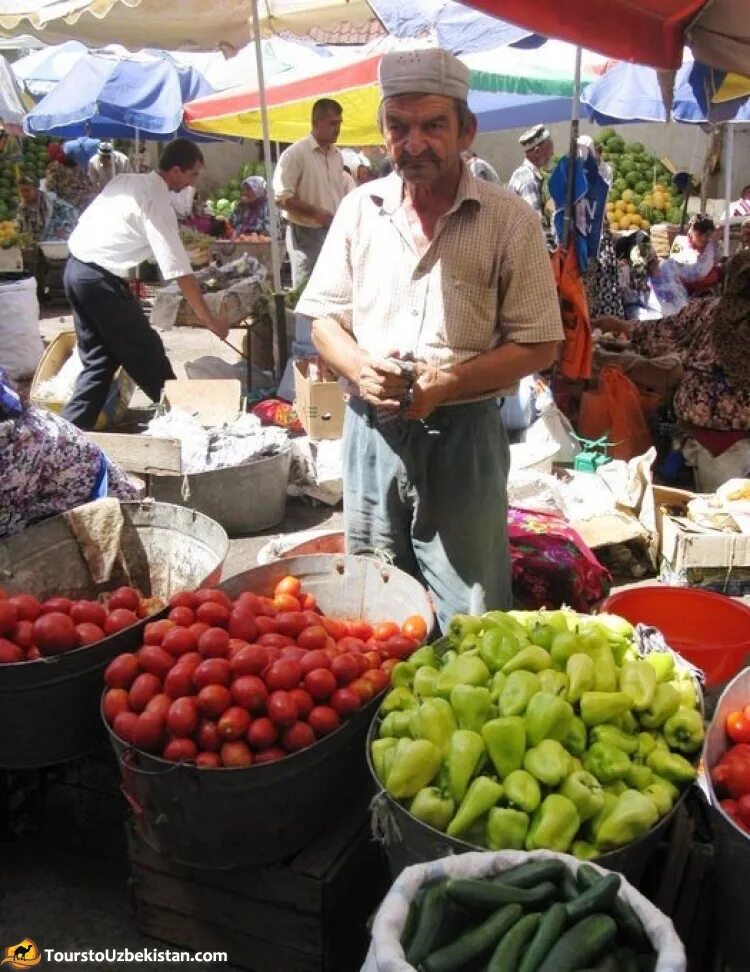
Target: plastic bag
(615, 410)
(386, 954)
(21, 346)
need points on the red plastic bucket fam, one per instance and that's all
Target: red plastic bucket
(710, 630)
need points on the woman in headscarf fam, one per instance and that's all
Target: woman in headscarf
(650, 289)
(251, 212)
(712, 336)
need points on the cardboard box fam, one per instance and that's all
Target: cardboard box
(11, 260)
(319, 404)
(685, 546)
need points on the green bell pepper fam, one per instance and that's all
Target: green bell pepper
(686, 687)
(480, 797)
(463, 670)
(684, 730)
(432, 807)
(633, 815)
(505, 742)
(518, 691)
(564, 646)
(382, 752)
(580, 671)
(434, 720)
(402, 675)
(646, 745)
(396, 724)
(398, 700)
(472, 706)
(496, 647)
(605, 670)
(584, 790)
(671, 766)
(617, 787)
(415, 764)
(626, 722)
(556, 683)
(541, 634)
(425, 681)
(529, 659)
(424, 655)
(607, 763)
(593, 825)
(506, 829)
(639, 777)
(615, 737)
(665, 703)
(554, 825)
(668, 785)
(638, 680)
(497, 685)
(548, 762)
(584, 851)
(463, 757)
(662, 663)
(547, 717)
(660, 796)
(522, 791)
(576, 738)
(597, 707)
(461, 625)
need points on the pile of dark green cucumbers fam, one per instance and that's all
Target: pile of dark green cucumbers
(536, 917)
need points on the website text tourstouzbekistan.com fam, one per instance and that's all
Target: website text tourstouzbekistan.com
(111, 956)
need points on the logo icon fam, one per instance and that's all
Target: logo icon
(21, 956)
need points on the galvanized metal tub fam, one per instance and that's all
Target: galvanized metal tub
(228, 818)
(731, 845)
(49, 708)
(244, 499)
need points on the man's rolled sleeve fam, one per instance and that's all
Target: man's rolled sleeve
(287, 174)
(163, 235)
(329, 291)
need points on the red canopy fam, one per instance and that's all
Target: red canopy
(651, 32)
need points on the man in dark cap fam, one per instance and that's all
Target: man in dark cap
(528, 179)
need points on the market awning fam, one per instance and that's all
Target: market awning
(11, 108)
(651, 32)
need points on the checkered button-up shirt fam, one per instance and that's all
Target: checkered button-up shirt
(527, 182)
(484, 280)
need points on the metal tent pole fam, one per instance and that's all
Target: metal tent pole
(728, 164)
(569, 222)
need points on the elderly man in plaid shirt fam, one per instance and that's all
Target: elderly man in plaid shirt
(432, 297)
(528, 179)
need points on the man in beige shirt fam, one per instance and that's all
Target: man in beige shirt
(434, 294)
(309, 184)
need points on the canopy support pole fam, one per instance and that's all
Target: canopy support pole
(569, 222)
(728, 164)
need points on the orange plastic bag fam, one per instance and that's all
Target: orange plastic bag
(615, 410)
(575, 361)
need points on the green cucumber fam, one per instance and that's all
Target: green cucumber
(489, 895)
(550, 928)
(627, 920)
(582, 944)
(475, 943)
(410, 925)
(597, 898)
(429, 922)
(506, 956)
(531, 873)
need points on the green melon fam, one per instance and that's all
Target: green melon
(632, 179)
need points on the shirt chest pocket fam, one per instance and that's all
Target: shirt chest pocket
(470, 314)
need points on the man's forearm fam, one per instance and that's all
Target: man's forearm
(499, 368)
(294, 205)
(338, 348)
(192, 291)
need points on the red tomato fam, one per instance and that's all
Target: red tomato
(212, 671)
(308, 603)
(288, 585)
(88, 612)
(346, 700)
(348, 643)
(143, 689)
(296, 737)
(362, 662)
(323, 720)
(124, 597)
(121, 671)
(208, 737)
(153, 658)
(214, 643)
(236, 754)
(235, 645)
(335, 628)
(33, 654)
(415, 627)
(333, 651)
(292, 653)
(359, 629)
(211, 594)
(345, 668)
(271, 755)
(372, 659)
(312, 619)
(182, 599)
(290, 623)
(384, 630)
(738, 727)
(208, 760)
(124, 726)
(234, 723)
(281, 709)
(114, 702)
(363, 688)
(262, 733)
(247, 601)
(150, 606)
(61, 604)
(250, 692)
(154, 631)
(303, 701)
(197, 629)
(377, 678)
(275, 640)
(214, 699)
(29, 609)
(283, 674)
(22, 634)
(54, 633)
(266, 606)
(266, 625)
(10, 652)
(250, 660)
(388, 665)
(190, 659)
(213, 614)
(179, 682)
(314, 659)
(182, 616)
(313, 637)
(160, 704)
(180, 750)
(179, 641)
(119, 619)
(285, 603)
(149, 732)
(88, 634)
(242, 624)
(320, 683)
(399, 646)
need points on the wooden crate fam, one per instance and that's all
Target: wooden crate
(308, 914)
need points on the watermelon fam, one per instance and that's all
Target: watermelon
(632, 179)
(620, 185)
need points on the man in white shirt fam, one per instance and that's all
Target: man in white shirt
(480, 168)
(131, 220)
(309, 184)
(528, 179)
(106, 164)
